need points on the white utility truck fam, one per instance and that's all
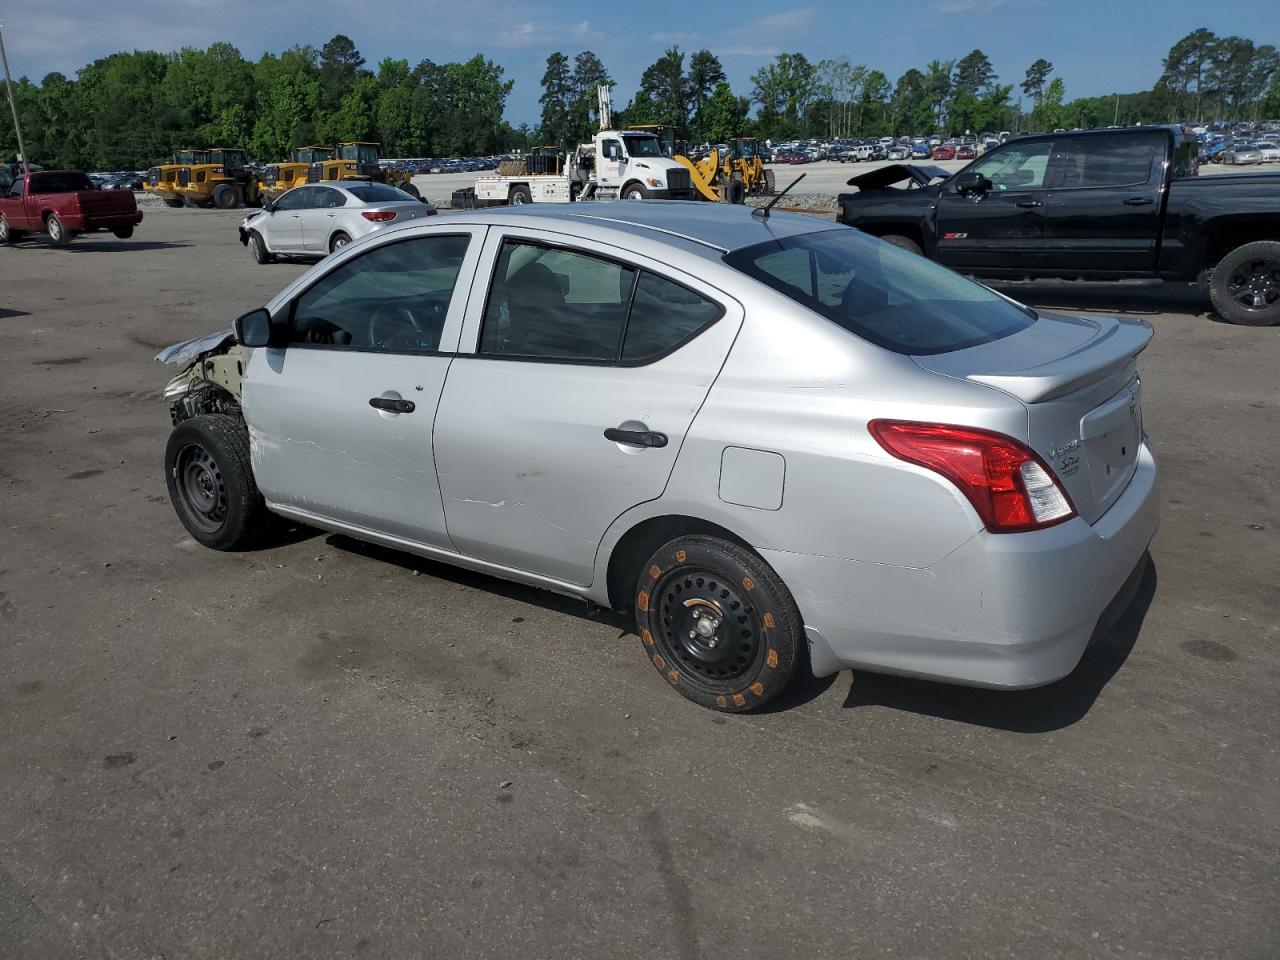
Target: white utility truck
(626, 164)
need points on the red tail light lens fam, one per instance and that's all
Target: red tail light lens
(378, 216)
(1011, 488)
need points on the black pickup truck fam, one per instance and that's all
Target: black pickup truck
(1122, 204)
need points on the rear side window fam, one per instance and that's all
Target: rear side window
(60, 182)
(552, 304)
(1106, 161)
(895, 299)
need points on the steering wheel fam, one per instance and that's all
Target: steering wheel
(396, 326)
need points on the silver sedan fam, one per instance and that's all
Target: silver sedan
(316, 219)
(777, 441)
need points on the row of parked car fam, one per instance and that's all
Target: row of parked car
(120, 180)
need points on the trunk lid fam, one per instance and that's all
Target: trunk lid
(1077, 377)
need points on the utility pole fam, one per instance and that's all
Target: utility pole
(8, 84)
(1116, 121)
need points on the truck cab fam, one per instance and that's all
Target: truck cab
(631, 165)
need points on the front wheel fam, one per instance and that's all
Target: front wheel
(210, 481)
(770, 183)
(6, 235)
(718, 623)
(635, 191)
(258, 247)
(1245, 285)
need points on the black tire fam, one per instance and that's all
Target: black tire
(754, 634)
(6, 235)
(226, 197)
(906, 243)
(1245, 285)
(519, 195)
(735, 191)
(635, 191)
(338, 241)
(770, 183)
(123, 233)
(58, 233)
(411, 190)
(258, 247)
(174, 204)
(210, 480)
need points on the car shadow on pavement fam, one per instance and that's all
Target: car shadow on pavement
(119, 246)
(1038, 710)
(6, 313)
(1111, 298)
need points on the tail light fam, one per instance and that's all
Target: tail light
(1011, 488)
(378, 216)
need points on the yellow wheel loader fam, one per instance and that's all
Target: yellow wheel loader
(279, 177)
(359, 161)
(163, 180)
(223, 181)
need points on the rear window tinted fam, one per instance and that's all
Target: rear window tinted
(60, 182)
(1106, 161)
(884, 294)
(378, 193)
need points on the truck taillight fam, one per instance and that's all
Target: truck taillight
(1011, 488)
(378, 216)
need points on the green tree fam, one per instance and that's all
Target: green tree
(394, 111)
(705, 74)
(287, 96)
(873, 96)
(1186, 64)
(1049, 113)
(911, 107)
(784, 89)
(664, 82)
(1037, 74)
(589, 74)
(557, 94)
(937, 85)
(340, 64)
(724, 115)
(974, 73)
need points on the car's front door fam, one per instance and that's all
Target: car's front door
(319, 217)
(340, 413)
(588, 368)
(283, 228)
(1001, 228)
(1104, 209)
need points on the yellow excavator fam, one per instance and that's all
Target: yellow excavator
(279, 177)
(357, 160)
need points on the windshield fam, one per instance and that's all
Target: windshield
(747, 149)
(59, 182)
(642, 146)
(895, 299)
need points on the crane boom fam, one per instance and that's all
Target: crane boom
(605, 103)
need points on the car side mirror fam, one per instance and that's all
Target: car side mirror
(268, 206)
(254, 328)
(972, 182)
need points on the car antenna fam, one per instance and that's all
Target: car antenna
(763, 212)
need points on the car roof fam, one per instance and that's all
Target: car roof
(710, 229)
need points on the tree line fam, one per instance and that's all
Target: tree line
(130, 110)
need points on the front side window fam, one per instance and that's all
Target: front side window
(393, 298)
(612, 149)
(644, 146)
(299, 198)
(1106, 161)
(1018, 167)
(892, 298)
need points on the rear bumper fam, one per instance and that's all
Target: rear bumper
(1003, 610)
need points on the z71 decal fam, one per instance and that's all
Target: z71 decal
(955, 236)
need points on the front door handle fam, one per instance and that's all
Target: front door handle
(1138, 202)
(1030, 203)
(391, 404)
(636, 438)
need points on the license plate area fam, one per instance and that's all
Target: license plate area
(1111, 434)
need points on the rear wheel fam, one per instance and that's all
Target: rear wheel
(718, 623)
(411, 190)
(58, 234)
(6, 235)
(175, 203)
(211, 485)
(258, 247)
(226, 197)
(123, 233)
(519, 196)
(1245, 285)
(339, 241)
(906, 243)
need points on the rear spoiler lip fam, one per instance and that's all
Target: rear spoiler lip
(1128, 338)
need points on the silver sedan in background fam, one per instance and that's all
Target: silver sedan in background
(316, 219)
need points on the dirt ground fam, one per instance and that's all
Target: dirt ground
(324, 749)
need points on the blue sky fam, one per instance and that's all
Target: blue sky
(1096, 46)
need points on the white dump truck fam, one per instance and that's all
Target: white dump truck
(616, 164)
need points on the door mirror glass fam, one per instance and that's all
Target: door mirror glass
(254, 328)
(268, 206)
(972, 182)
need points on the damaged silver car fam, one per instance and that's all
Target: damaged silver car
(778, 441)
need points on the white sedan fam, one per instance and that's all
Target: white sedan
(1270, 151)
(318, 218)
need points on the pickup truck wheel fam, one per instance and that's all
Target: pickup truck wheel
(57, 232)
(123, 233)
(258, 247)
(1245, 285)
(718, 623)
(211, 485)
(906, 243)
(6, 235)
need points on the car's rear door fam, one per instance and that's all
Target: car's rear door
(340, 414)
(1002, 229)
(571, 342)
(1105, 203)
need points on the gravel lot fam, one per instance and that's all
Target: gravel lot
(323, 749)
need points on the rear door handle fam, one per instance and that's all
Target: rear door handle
(1138, 202)
(1030, 203)
(391, 404)
(636, 438)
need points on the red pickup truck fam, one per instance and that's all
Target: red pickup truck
(63, 203)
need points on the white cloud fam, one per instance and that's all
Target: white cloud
(967, 6)
(673, 39)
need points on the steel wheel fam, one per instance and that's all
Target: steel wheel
(707, 629)
(1255, 283)
(201, 487)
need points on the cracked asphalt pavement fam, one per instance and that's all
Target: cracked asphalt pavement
(326, 749)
